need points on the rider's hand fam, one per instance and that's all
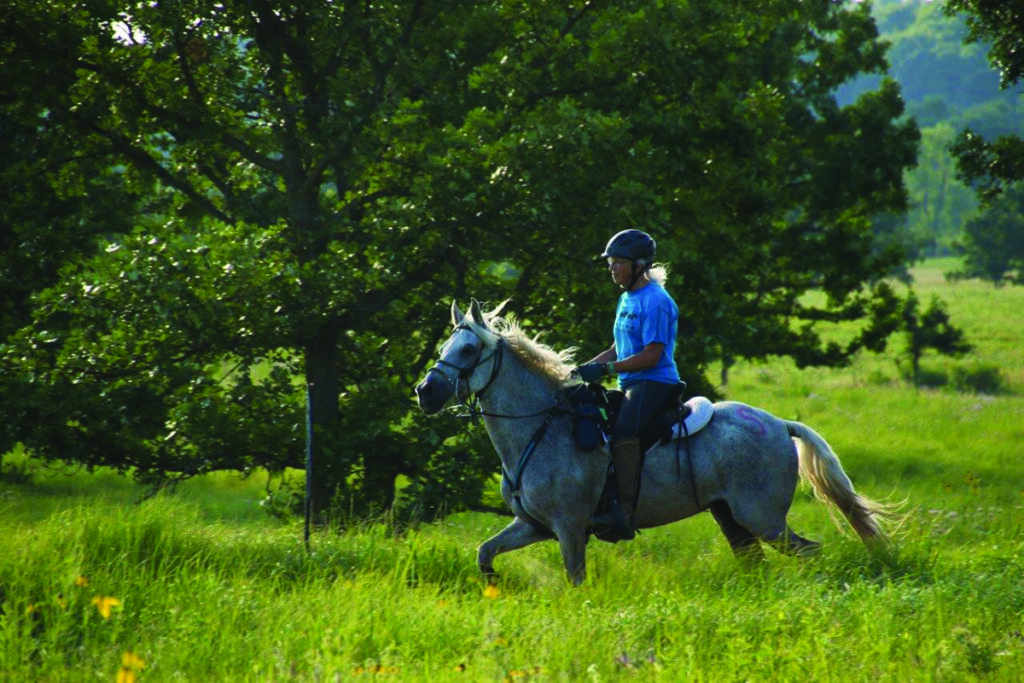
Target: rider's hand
(591, 372)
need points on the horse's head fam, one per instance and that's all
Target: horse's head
(472, 345)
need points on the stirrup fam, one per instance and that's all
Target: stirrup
(613, 526)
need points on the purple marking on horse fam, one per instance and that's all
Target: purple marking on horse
(748, 415)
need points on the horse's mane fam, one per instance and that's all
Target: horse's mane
(537, 356)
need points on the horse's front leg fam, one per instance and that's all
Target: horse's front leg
(572, 541)
(518, 534)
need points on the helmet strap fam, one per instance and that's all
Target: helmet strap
(638, 272)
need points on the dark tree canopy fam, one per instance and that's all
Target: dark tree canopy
(282, 197)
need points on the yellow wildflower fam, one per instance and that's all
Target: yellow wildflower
(491, 591)
(105, 605)
(130, 660)
(81, 581)
(130, 664)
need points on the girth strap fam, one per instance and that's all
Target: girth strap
(689, 462)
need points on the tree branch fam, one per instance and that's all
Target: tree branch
(124, 146)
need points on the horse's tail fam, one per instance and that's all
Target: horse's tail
(820, 466)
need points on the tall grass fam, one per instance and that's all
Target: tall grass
(198, 584)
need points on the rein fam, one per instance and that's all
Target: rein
(553, 410)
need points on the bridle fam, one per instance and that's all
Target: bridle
(465, 373)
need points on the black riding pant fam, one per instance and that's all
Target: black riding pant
(640, 405)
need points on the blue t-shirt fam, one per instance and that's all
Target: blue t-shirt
(647, 316)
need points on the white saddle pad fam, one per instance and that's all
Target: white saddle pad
(701, 411)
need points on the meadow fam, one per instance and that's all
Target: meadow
(199, 584)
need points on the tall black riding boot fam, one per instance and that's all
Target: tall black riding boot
(619, 522)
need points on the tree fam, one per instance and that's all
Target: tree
(948, 85)
(993, 242)
(931, 329)
(942, 203)
(929, 59)
(319, 176)
(261, 249)
(999, 23)
(55, 205)
(990, 165)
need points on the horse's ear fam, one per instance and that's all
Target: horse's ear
(457, 316)
(476, 314)
(500, 310)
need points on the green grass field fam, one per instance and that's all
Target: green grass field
(201, 585)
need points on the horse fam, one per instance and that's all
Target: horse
(743, 466)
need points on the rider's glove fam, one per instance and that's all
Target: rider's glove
(591, 372)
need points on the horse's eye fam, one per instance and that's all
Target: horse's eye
(466, 351)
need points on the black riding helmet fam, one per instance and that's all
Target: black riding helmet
(634, 245)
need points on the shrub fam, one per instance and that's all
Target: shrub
(978, 379)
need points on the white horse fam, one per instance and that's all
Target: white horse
(743, 466)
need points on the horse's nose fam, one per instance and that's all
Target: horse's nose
(432, 394)
(426, 397)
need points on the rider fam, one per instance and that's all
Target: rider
(642, 355)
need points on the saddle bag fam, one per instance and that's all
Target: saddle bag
(586, 419)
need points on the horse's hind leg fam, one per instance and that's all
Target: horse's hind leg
(745, 545)
(768, 524)
(792, 543)
(518, 534)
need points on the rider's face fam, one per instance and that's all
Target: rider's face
(621, 270)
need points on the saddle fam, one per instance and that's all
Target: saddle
(594, 409)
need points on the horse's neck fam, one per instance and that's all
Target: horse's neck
(515, 393)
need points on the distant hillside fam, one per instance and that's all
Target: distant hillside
(929, 59)
(947, 86)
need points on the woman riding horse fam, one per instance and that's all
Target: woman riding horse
(743, 466)
(642, 356)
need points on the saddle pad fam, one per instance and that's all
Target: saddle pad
(701, 411)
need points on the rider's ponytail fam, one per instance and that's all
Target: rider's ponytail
(658, 273)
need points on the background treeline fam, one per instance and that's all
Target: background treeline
(216, 217)
(949, 85)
